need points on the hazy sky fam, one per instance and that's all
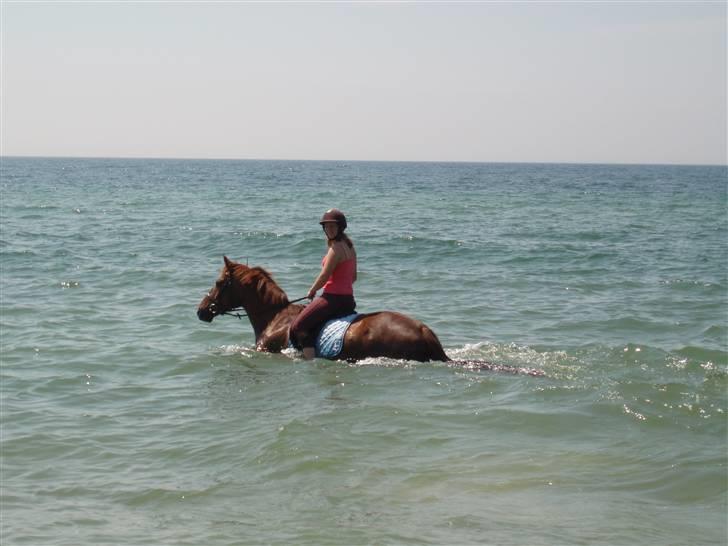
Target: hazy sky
(554, 82)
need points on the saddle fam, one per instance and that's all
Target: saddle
(330, 338)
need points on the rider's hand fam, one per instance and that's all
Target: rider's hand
(311, 294)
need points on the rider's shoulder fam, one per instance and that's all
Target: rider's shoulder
(341, 250)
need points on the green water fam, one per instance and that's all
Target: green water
(125, 420)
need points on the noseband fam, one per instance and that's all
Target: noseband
(214, 303)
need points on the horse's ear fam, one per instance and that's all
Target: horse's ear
(228, 262)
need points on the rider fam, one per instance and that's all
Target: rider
(338, 273)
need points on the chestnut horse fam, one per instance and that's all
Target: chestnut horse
(381, 334)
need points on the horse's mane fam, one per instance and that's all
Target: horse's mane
(263, 282)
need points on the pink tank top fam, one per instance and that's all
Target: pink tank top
(341, 280)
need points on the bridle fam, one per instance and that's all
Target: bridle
(214, 303)
(235, 311)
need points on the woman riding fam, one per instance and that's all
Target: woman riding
(337, 277)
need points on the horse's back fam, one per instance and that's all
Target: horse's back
(392, 335)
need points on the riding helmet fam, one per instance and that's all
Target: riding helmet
(334, 215)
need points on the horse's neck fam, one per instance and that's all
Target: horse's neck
(262, 314)
(260, 319)
(275, 336)
(261, 305)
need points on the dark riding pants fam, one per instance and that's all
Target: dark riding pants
(325, 307)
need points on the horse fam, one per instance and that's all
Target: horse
(380, 334)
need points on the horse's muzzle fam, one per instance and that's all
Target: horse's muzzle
(205, 314)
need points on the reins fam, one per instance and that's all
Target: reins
(234, 312)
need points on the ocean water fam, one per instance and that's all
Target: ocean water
(125, 420)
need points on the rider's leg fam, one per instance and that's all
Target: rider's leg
(305, 326)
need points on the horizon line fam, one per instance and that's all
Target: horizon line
(434, 161)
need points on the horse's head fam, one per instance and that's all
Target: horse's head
(223, 296)
(241, 286)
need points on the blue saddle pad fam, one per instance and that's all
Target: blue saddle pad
(330, 339)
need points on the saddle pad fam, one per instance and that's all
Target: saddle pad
(330, 339)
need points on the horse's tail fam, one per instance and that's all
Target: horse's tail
(436, 352)
(484, 365)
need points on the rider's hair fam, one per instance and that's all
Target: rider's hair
(342, 237)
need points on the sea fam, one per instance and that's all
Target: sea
(127, 421)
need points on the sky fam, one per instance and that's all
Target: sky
(574, 82)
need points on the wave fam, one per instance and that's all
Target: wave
(643, 385)
(594, 360)
(707, 357)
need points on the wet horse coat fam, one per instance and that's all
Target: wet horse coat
(384, 333)
(381, 334)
